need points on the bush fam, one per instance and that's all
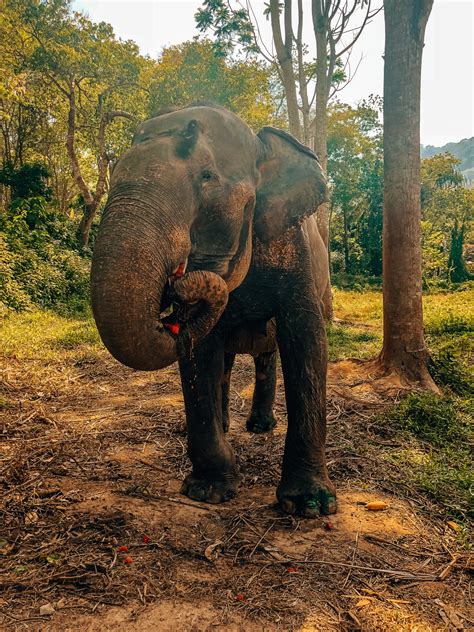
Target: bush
(38, 266)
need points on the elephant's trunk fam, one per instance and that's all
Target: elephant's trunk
(137, 250)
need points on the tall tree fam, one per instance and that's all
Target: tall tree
(355, 155)
(192, 71)
(448, 214)
(337, 25)
(404, 353)
(92, 73)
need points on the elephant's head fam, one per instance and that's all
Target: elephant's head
(177, 227)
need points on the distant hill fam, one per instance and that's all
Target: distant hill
(464, 151)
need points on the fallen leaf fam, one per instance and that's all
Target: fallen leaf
(329, 525)
(376, 505)
(362, 603)
(210, 552)
(454, 526)
(46, 609)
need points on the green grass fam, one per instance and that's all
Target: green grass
(347, 342)
(437, 454)
(44, 335)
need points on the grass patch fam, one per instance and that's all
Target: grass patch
(437, 457)
(430, 418)
(80, 333)
(347, 342)
(358, 307)
(450, 367)
(44, 335)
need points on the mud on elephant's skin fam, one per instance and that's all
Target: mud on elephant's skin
(208, 247)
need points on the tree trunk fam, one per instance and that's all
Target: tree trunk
(321, 25)
(285, 62)
(345, 237)
(305, 106)
(404, 352)
(85, 225)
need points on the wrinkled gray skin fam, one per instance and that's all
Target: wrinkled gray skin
(198, 186)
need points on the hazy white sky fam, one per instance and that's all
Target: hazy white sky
(447, 109)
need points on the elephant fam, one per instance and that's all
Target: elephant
(208, 247)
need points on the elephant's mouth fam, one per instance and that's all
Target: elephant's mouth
(181, 316)
(173, 313)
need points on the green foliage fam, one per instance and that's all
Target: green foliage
(355, 168)
(38, 267)
(449, 368)
(450, 324)
(231, 26)
(463, 151)
(451, 342)
(28, 181)
(448, 214)
(192, 71)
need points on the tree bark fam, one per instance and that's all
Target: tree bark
(302, 81)
(285, 62)
(321, 26)
(404, 352)
(91, 198)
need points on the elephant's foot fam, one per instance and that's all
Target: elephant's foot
(260, 422)
(210, 490)
(308, 495)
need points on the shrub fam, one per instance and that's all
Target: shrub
(38, 266)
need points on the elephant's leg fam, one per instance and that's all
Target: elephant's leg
(305, 487)
(261, 418)
(225, 385)
(215, 477)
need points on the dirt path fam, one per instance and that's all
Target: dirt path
(92, 459)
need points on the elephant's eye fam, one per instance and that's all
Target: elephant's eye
(207, 175)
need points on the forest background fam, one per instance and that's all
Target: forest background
(71, 94)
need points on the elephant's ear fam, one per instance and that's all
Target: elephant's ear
(292, 184)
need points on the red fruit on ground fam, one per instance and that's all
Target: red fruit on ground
(128, 560)
(123, 548)
(146, 539)
(239, 597)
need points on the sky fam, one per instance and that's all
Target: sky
(447, 105)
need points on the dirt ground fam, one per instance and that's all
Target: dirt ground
(94, 534)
